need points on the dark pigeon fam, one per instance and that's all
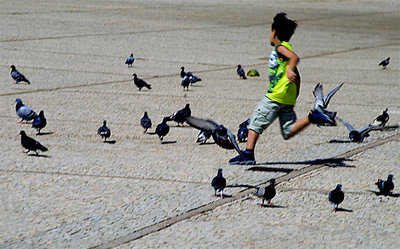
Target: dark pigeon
(384, 63)
(188, 77)
(385, 187)
(24, 112)
(17, 76)
(219, 183)
(221, 135)
(203, 137)
(181, 115)
(336, 197)
(104, 131)
(129, 61)
(267, 192)
(359, 136)
(162, 129)
(321, 102)
(39, 122)
(382, 119)
(182, 72)
(243, 131)
(240, 72)
(185, 83)
(145, 122)
(140, 83)
(31, 144)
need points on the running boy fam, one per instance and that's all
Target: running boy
(280, 98)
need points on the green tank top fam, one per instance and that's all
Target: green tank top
(280, 89)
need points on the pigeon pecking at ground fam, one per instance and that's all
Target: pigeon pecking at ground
(241, 72)
(145, 122)
(104, 131)
(336, 197)
(31, 144)
(162, 129)
(243, 131)
(382, 119)
(140, 83)
(384, 63)
(39, 122)
(385, 187)
(221, 135)
(219, 183)
(17, 76)
(129, 61)
(267, 193)
(181, 115)
(24, 112)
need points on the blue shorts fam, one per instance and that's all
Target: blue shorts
(267, 111)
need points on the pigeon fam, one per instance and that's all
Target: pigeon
(39, 122)
(221, 135)
(189, 76)
(382, 119)
(240, 72)
(267, 192)
(181, 115)
(385, 187)
(219, 183)
(162, 129)
(359, 136)
(129, 61)
(321, 102)
(203, 137)
(145, 122)
(30, 143)
(17, 76)
(24, 112)
(185, 83)
(183, 74)
(104, 131)
(140, 83)
(243, 131)
(336, 196)
(384, 63)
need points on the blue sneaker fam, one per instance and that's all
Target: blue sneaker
(247, 158)
(324, 118)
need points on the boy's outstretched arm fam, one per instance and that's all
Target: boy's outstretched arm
(294, 59)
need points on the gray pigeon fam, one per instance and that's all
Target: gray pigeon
(104, 131)
(385, 187)
(267, 192)
(129, 61)
(24, 112)
(240, 72)
(219, 183)
(382, 119)
(359, 136)
(145, 122)
(321, 102)
(384, 63)
(221, 135)
(336, 196)
(31, 144)
(17, 76)
(39, 122)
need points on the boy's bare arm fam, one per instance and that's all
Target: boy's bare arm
(293, 60)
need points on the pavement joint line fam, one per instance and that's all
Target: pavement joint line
(242, 194)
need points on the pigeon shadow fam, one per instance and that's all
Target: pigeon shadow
(377, 193)
(240, 186)
(335, 141)
(223, 196)
(44, 133)
(151, 133)
(331, 162)
(168, 142)
(271, 206)
(271, 169)
(110, 142)
(37, 155)
(343, 210)
(207, 143)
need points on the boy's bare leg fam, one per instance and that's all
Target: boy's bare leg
(300, 125)
(252, 138)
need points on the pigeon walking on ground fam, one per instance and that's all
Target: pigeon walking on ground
(382, 119)
(385, 187)
(140, 83)
(221, 135)
(267, 192)
(24, 112)
(219, 183)
(129, 61)
(17, 76)
(359, 136)
(188, 76)
(243, 131)
(39, 122)
(162, 129)
(320, 115)
(31, 144)
(384, 63)
(241, 72)
(104, 131)
(145, 122)
(203, 137)
(181, 115)
(336, 197)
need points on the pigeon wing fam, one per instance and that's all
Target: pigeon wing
(319, 96)
(349, 127)
(202, 124)
(233, 141)
(330, 94)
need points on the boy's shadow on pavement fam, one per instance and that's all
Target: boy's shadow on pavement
(331, 162)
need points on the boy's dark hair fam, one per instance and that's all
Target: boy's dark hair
(283, 27)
